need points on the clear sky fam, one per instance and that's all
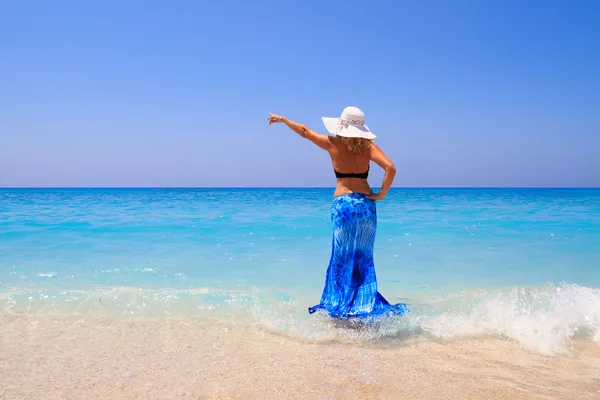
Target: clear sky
(177, 93)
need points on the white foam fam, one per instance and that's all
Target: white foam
(540, 319)
(46, 274)
(543, 320)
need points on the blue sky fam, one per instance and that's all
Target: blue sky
(177, 93)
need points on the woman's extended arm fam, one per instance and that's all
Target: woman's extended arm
(320, 140)
(390, 171)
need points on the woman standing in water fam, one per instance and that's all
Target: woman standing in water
(351, 285)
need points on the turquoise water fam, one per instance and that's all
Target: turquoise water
(473, 257)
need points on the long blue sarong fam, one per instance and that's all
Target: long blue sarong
(350, 284)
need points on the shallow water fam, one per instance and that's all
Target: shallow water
(513, 263)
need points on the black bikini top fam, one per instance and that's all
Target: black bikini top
(363, 175)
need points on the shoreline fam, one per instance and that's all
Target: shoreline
(70, 356)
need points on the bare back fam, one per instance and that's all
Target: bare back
(343, 160)
(346, 162)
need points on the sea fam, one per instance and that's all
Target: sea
(522, 265)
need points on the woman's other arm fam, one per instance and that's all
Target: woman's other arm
(379, 157)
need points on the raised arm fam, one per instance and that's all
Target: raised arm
(390, 171)
(320, 140)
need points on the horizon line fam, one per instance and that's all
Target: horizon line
(292, 187)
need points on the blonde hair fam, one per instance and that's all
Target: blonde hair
(355, 145)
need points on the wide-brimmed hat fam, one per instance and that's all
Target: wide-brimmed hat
(350, 124)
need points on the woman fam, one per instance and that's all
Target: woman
(351, 286)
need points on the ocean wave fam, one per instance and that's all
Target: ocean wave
(544, 319)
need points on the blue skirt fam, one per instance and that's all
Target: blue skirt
(350, 284)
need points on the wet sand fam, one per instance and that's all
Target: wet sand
(69, 357)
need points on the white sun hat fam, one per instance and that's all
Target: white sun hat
(350, 124)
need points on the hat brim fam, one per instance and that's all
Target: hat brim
(333, 126)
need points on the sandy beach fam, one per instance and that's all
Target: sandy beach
(91, 357)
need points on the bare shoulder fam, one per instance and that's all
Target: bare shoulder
(374, 150)
(321, 140)
(379, 157)
(375, 146)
